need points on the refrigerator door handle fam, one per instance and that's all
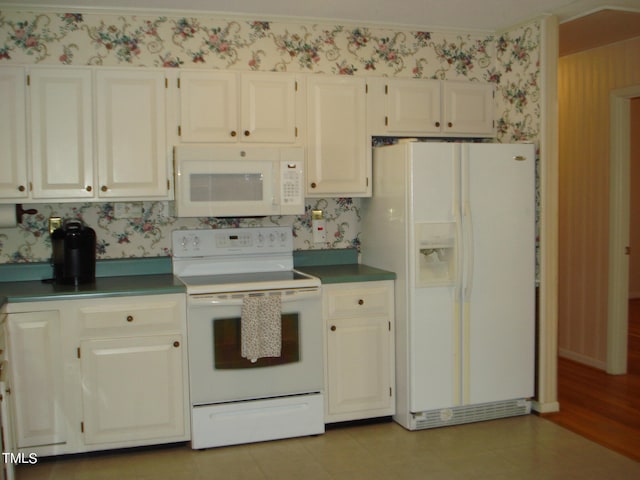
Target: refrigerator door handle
(468, 252)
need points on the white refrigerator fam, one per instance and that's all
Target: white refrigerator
(456, 222)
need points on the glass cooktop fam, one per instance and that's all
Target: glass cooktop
(235, 278)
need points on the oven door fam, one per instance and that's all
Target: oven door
(217, 371)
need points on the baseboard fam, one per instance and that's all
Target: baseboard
(583, 359)
(547, 407)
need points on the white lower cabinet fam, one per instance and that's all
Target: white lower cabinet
(359, 350)
(36, 366)
(132, 388)
(97, 374)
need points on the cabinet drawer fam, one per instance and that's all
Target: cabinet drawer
(127, 318)
(374, 298)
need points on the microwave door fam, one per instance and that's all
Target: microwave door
(226, 189)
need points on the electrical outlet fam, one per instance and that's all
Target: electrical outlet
(319, 226)
(54, 224)
(127, 210)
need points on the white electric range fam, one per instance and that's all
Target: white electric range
(236, 399)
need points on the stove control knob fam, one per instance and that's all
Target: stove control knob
(260, 238)
(196, 241)
(272, 237)
(283, 237)
(183, 242)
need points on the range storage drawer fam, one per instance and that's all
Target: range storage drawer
(131, 316)
(348, 302)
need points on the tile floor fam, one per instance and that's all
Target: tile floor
(518, 448)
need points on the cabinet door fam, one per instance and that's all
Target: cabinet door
(413, 106)
(61, 132)
(132, 388)
(36, 366)
(208, 107)
(132, 152)
(338, 154)
(13, 141)
(468, 108)
(268, 107)
(359, 350)
(358, 365)
(8, 445)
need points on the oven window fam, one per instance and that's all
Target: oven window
(227, 346)
(226, 187)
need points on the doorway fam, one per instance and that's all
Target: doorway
(619, 229)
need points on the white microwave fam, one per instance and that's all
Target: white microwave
(233, 181)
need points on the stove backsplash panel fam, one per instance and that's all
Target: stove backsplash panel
(149, 235)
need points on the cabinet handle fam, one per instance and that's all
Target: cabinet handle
(88, 188)
(233, 133)
(247, 133)
(176, 344)
(449, 124)
(8, 390)
(437, 124)
(361, 302)
(333, 328)
(313, 185)
(129, 318)
(104, 188)
(21, 188)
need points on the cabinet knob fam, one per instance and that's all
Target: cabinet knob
(449, 124)
(88, 188)
(333, 328)
(104, 188)
(233, 133)
(437, 124)
(129, 318)
(313, 185)
(247, 133)
(176, 344)
(361, 302)
(21, 188)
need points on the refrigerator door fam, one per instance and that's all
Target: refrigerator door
(433, 239)
(498, 322)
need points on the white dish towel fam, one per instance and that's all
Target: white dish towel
(261, 327)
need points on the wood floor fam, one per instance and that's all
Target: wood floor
(604, 408)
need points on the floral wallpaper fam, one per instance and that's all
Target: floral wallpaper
(510, 60)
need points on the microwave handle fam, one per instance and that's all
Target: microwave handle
(275, 183)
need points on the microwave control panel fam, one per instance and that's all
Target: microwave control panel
(291, 177)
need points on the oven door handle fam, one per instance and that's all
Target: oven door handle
(236, 298)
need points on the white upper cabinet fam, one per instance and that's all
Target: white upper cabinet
(61, 134)
(132, 151)
(208, 107)
(404, 106)
(268, 106)
(338, 150)
(416, 107)
(468, 107)
(230, 107)
(93, 133)
(13, 142)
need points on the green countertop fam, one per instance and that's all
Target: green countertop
(35, 290)
(338, 266)
(152, 276)
(348, 273)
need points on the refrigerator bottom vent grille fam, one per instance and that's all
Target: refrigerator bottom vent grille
(469, 414)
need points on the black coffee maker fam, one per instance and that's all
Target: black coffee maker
(74, 253)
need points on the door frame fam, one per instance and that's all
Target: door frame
(619, 218)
